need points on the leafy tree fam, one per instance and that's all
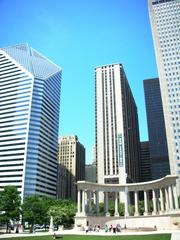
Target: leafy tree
(101, 208)
(111, 207)
(121, 209)
(131, 209)
(63, 212)
(35, 210)
(10, 203)
(141, 207)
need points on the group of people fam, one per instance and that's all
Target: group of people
(94, 228)
(113, 228)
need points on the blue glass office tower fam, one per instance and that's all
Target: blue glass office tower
(156, 129)
(30, 87)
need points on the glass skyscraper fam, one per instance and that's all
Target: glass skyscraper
(156, 129)
(165, 23)
(30, 87)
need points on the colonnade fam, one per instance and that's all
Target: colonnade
(163, 193)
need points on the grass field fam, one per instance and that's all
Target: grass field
(90, 237)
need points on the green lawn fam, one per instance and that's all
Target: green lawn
(90, 237)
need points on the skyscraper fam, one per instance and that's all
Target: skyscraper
(117, 131)
(156, 129)
(165, 24)
(145, 163)
(29, 120)
(71, 159)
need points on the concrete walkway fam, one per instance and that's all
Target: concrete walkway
(175, 236)
(175, 233)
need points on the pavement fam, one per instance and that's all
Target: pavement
(175, 234)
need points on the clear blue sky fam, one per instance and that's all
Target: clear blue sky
(79, 35)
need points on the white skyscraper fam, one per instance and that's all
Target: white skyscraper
(29, 120)
(117, 132)
(165, 24)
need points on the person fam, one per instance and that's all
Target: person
(86, 229)
(94, 228)
(98, 227)
(114, 228)
(110, 228)
(118, 227)
(106, 228)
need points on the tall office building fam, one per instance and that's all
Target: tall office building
(165, 24)
(117, 131)
(145, 163)
(90, 169)
(29, 120)
(71, 159)
(156, 129)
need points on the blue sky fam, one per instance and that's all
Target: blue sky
(79, 35)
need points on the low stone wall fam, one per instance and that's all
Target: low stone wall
(165, 222)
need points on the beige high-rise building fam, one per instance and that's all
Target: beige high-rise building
(117, 130)
(71, 161)
(165, 25)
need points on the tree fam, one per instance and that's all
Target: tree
(35, 210)
(63, 212)
(121, 209)
(10, 203)
(111, 207)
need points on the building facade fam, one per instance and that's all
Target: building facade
(165, 24)
(156, 129)
(29, 121)
(90, 172)
(145, 162)
(71, 159)
(117, 131)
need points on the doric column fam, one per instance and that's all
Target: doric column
(145, 204)
(106, 207)
(83, 202)
(94, 197)
(170, 198)
(79, 201)
(89, 201)
(175, 197)
(97, 202)
(154, 203)
(167, 200)
(136, 204)
(126, 214)
(161, 201)
(116, 213)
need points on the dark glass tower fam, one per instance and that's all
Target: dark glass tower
(156, 129)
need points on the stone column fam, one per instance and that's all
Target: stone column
(154, 203)
(83, 202)
(79, 201)
(97, 202)
(161, 201)
(175, 197)
(116, 213)
(89, 202)
(167, 200)
(126, 214)
(170, 198)
(106, 204)
(94, 197)
(51, 225)
(145, 204)
(136, 203)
